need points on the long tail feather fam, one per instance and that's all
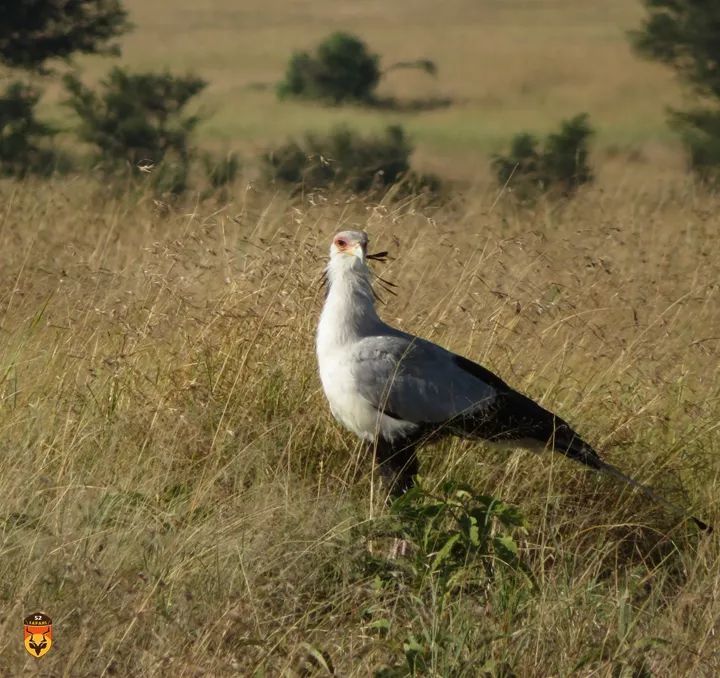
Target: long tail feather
(580, 451)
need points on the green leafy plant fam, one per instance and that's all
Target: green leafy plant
(448, 530)
(458, 543)
(561, 165)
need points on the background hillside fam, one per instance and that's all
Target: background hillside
(506, 66)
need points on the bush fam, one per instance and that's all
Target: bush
(344, 158)
(523, 160)
(565, 158)
(700, 133)
(21, 133)
(342, 69)
(561, 166)
(221, 171)
(139, 119)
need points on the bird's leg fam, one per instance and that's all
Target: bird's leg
(397, 464)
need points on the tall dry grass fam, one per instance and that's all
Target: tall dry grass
(175, 495)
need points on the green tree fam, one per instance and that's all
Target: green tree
(21, 133)
(33, 32)
(685, 35)
(342, 69)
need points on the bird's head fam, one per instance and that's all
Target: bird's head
(349, 258)
(349, 247)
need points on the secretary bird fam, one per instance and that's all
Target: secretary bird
(396, 391)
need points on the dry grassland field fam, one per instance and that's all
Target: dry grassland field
(174, 492)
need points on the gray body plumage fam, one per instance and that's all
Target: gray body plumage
(415, 380)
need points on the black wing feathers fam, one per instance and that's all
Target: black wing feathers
(513, 416)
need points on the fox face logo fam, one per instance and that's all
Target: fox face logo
(38, 646)
(38, 634)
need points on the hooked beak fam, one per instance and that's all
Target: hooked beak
(356, 250)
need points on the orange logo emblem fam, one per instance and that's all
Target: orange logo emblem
(38, 634)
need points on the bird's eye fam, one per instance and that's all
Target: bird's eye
(341, 243)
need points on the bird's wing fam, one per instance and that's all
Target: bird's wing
(417, 381)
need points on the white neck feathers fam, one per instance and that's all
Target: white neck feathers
(349, 312)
